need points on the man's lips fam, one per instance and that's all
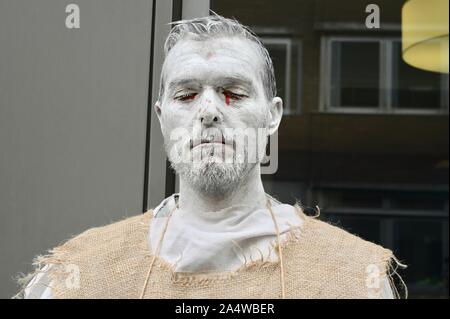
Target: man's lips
(207, 142)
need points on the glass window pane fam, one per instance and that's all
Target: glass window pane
(419, 243)
(362, 198)
(355, 74)
(278, 55)
(353, 198)
(419, 201)
(413, 88)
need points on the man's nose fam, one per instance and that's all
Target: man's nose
(209, 112)
(209, 118)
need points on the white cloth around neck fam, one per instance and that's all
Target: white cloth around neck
(219, 240)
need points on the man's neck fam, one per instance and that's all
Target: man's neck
(249, 192)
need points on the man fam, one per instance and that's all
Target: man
(222, 236)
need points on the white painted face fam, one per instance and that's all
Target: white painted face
(213, 109)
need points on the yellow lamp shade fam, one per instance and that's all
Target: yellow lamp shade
(425, 34)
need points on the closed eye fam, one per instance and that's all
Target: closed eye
(186, 97)
(233, 95)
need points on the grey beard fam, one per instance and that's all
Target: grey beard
(212, 178)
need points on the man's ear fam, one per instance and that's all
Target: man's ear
(275, 114)
(157, 108)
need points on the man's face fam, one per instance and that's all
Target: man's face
(213, 110)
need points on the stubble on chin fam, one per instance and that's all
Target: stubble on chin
(211, 177)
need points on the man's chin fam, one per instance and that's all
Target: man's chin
(213, 177)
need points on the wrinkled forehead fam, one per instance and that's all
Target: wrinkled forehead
(214, 59)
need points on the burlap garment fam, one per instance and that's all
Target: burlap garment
(320, 261)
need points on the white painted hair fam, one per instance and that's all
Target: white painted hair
(210, 27)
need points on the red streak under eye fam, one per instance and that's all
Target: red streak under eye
(227, 99)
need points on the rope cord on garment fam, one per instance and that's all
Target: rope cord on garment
(147, 277)
(280, 251)
(158, 248)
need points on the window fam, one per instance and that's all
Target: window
(368, 75)
(285, 54)
(355, 80)
(417, 241)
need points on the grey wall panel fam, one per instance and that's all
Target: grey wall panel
(73, 110)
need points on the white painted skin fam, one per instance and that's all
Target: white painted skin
(203, 74)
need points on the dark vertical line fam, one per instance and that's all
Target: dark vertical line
(177, 6)
(170, 180)
(149, 111)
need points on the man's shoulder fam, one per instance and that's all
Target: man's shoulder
(335, 233)
(91, 252)
(350, 266)
(115, 234)
(332, 241)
